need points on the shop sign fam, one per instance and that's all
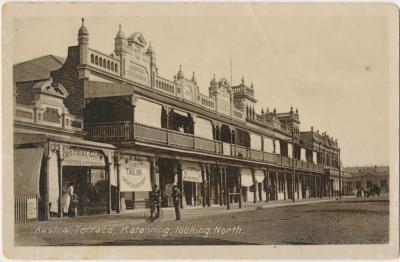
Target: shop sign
(191, 172)
(246, 177)
(31, 208)
(135, 176)
(82, 157)
(25, 138)
(259, 176)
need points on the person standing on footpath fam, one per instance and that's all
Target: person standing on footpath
(176, 194)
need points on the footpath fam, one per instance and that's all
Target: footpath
(137, 216)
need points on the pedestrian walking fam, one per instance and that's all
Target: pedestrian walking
(176, 194)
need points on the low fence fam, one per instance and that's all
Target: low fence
(26, 208)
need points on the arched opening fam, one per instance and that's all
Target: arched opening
(233, 137)
(108, 64)
(217, 133)
(96, 60)
(225, 133)
(243, 138)
(164, 118)
(92, 58)
(116, 67)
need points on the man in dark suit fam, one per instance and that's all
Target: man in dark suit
(176, 194)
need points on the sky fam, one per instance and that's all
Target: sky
(331, 63)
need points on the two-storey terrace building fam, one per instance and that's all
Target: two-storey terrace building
(148, 129)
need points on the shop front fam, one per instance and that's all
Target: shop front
(135, 181)
(192, 184)
(247, 185)
(80, 180)
(71, 177)
(259, 179)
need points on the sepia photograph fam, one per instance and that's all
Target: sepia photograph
(255, 130)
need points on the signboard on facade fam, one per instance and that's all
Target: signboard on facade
(25, 138)
(224, 105)
(75, 156)
(191, 172)
(259, 176)
(31, 207)
(135, 175)
(136, 73)
(246, 177)
(187, 92)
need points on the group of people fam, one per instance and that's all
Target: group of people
(69, 196)
(371, 191)
(155, 202)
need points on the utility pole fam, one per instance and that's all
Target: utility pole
(231, 72)
(340, 176)
(293, 168)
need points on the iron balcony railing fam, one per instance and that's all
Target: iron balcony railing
(117, 132)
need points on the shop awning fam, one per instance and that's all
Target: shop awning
(179, 112)
(303, 154)
(255, 141)
(246, 177)
(148, 113)
(191, 172)
(314, 157)
(268, 145)
(259, 176)
(27, 164)
(203, 128)
(277, 147)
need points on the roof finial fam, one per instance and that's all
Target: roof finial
(180, 74)
(194, 78)
(242, 79)
(83, 21)
(120, 26)
(291, 108)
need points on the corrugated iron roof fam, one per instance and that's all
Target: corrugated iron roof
(37, 68)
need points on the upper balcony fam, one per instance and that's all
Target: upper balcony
(120, 132)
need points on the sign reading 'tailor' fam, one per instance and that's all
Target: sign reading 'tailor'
(135, 176)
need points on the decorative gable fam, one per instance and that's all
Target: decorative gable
(47, 87)
(138, 39)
